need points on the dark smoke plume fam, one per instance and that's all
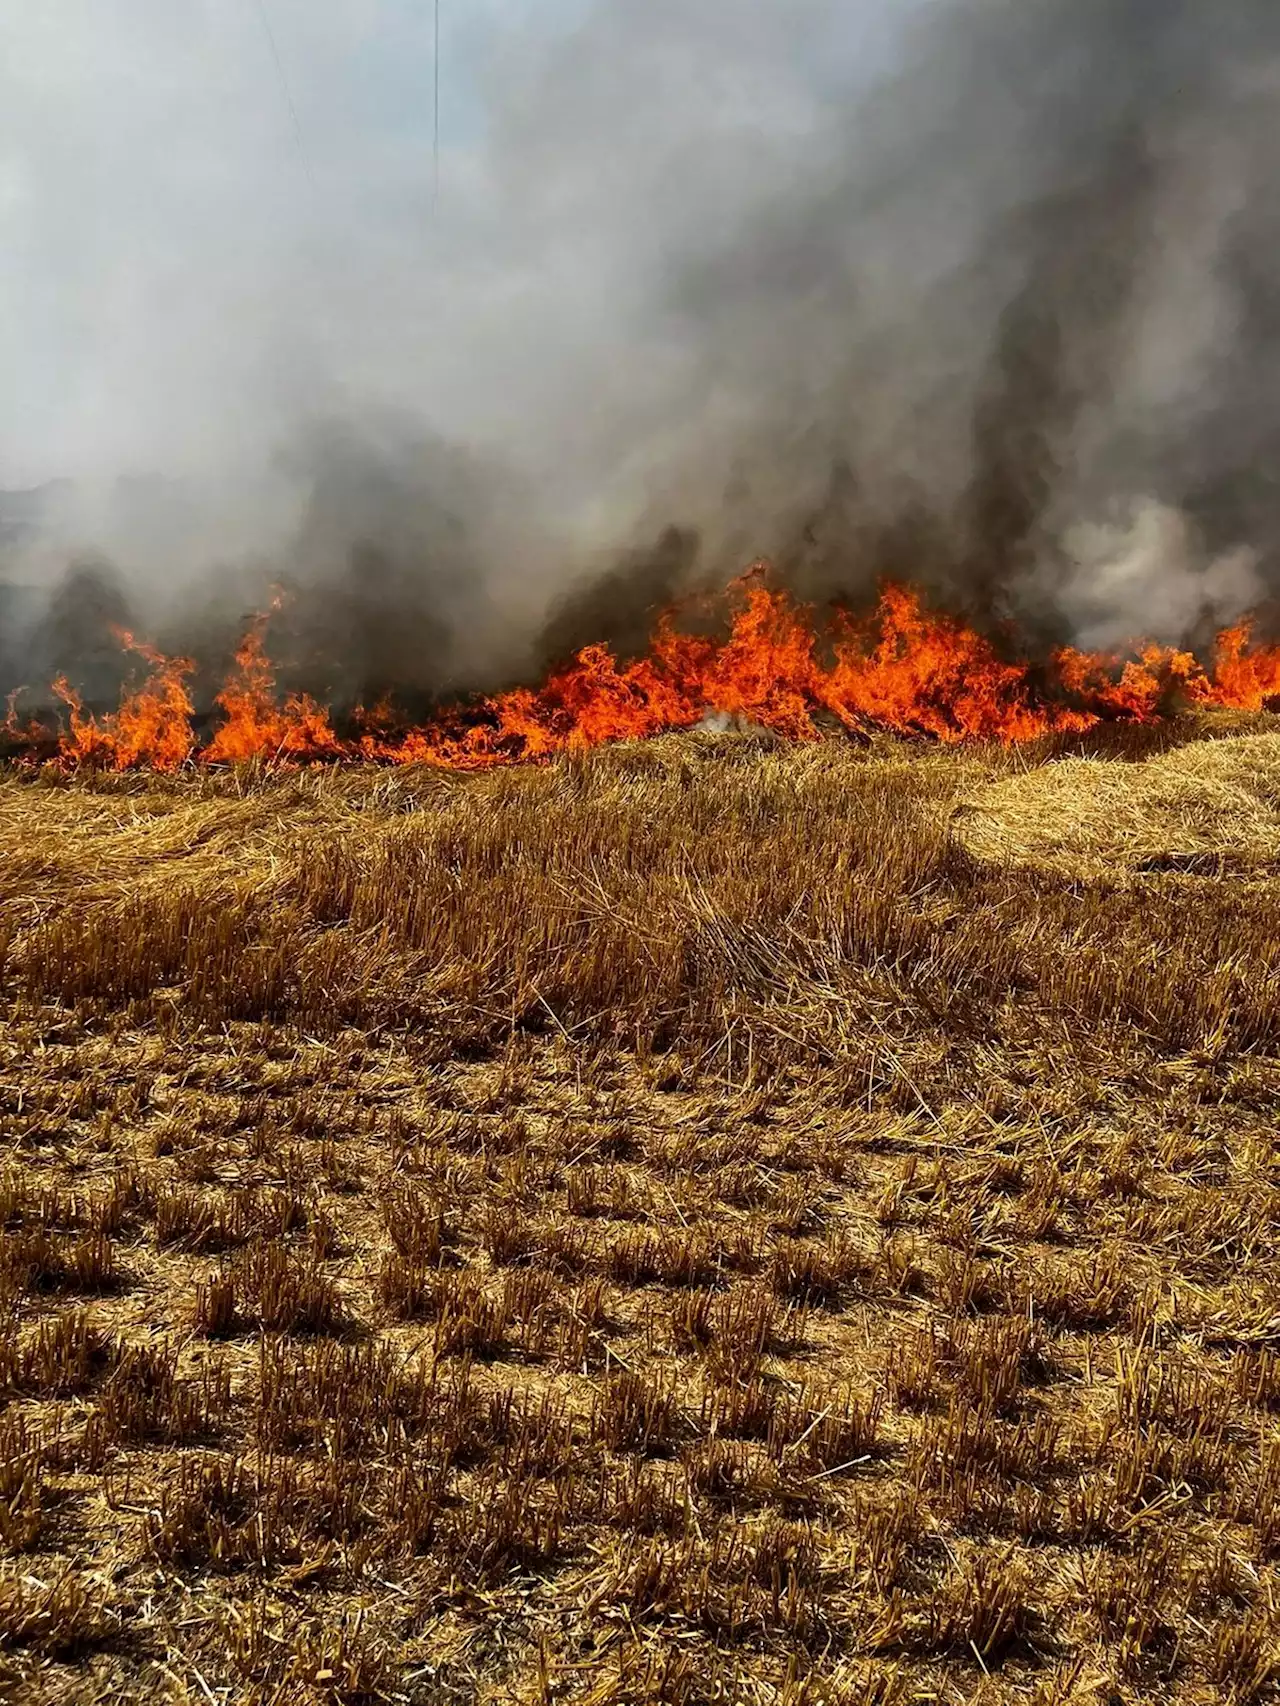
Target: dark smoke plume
(1016, 334)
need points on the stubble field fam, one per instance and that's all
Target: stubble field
(709, 1221)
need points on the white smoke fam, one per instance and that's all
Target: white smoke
(981, 291)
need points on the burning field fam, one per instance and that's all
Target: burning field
(750, 1217)
(571, 1137)
(904, 669)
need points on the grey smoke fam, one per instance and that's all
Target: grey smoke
(980, 292)
(1027, 286)
(1150, 560)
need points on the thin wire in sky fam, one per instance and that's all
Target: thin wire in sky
(283, 78)
(435, 114)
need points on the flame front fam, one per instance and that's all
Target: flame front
(903, 669)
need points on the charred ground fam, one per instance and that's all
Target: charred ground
(690, 1223)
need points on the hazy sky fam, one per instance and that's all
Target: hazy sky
(165, 233)
(184, 273)
(177, 259)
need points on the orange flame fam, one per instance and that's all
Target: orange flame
(1244, 678)
(931, 674)
(152, 726)
(13, 732)
(256, 726)
(902, 669)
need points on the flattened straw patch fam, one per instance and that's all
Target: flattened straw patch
(1208, 809)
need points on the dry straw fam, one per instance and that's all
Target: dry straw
(1209, 809)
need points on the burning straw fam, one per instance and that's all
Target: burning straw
(901, 668)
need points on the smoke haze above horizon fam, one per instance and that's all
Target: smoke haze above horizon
(975, 292)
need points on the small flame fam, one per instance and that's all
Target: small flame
(256, 726)
(15, 733)
(152, 726)
(1242, 677)
(903, 669)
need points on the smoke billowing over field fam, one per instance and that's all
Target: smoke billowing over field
(976, 296)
